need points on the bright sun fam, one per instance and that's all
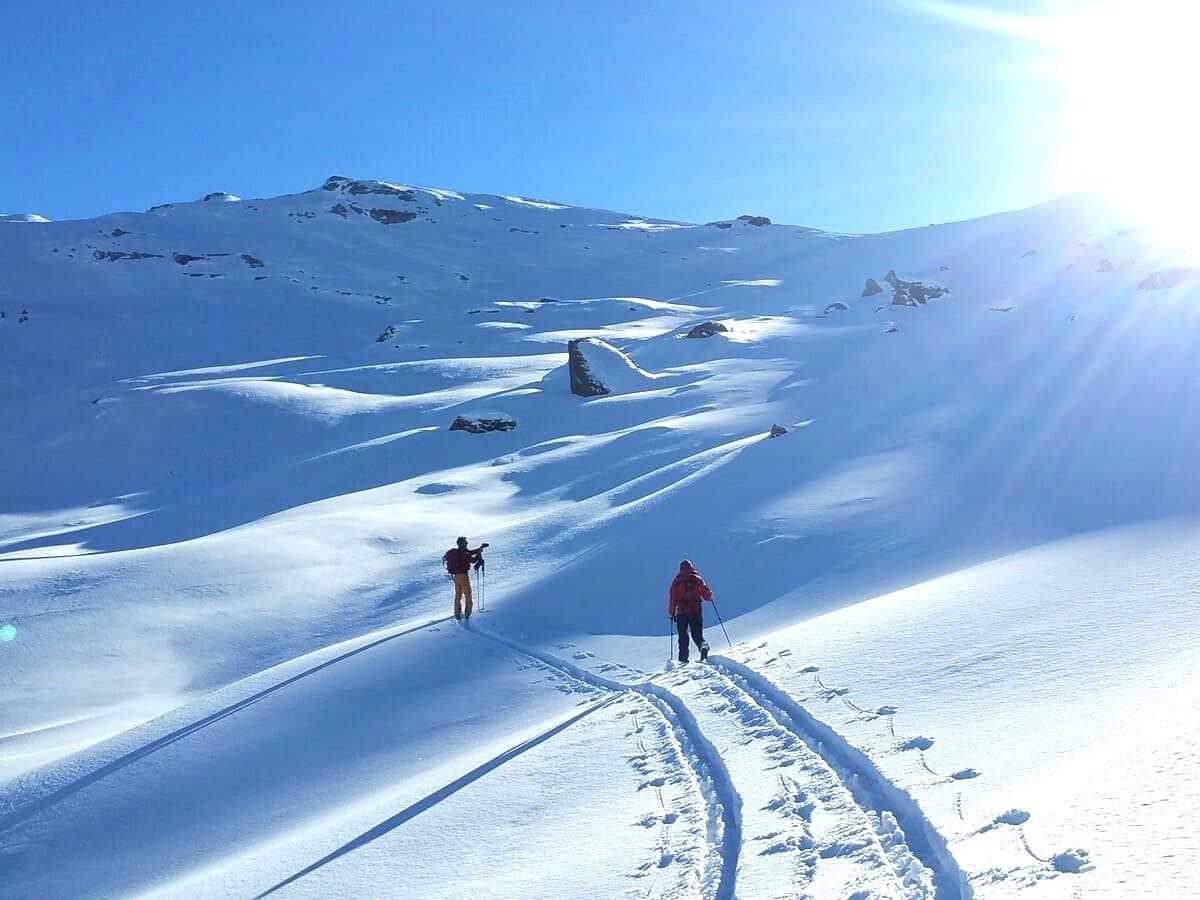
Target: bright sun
(1132, 70)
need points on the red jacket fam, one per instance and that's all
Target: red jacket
(458, 560)
(687, 591)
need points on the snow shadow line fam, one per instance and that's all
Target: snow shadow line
(128, 759)
(442, 793)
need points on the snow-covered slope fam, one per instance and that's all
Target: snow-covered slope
(960, 585)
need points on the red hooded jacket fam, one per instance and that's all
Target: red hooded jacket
(688, 590)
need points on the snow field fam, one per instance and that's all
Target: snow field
(962, 584)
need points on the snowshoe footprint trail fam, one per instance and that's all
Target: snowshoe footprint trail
(679, 858)
(782, 810)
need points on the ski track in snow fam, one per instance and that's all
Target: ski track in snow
(829, 821)
(43, 799)
(871, 789)
(434, 798)
(719, 872)
(801, 826)
(1074, 860)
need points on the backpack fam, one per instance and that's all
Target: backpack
(690, 582)
(458, 561)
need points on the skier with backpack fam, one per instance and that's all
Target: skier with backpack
(685, 607)
(458, 560)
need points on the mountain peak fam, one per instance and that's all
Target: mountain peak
(23, 217)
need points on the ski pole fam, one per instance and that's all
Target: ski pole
(482, 588)
(722, 624)
(670, 639)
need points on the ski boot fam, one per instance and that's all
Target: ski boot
(703, 651)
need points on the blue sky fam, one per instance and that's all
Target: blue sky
(857, 115)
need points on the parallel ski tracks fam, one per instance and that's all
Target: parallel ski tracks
(871, 790)
(719, 875)
(774, 731)
(782, 758)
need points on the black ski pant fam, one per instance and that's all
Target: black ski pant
(685, 621)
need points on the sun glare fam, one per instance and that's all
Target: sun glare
(1132, 71)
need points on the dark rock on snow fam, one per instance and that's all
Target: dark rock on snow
(707, 329)
(912, 293)
(583, 382)
(114, 255)
(1169, 278)
(358, 188)
(482, 425)
(871, 288)
(392, 216)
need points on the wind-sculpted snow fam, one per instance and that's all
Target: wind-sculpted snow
(228, 446)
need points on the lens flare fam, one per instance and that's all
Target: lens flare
(8, 632)
(1131, 71)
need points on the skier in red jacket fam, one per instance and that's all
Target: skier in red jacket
(458, 560)
(688, 592)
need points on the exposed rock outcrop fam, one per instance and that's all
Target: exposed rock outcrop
(871, 288)
(114, 255)
(483, 424)
(757, 221)
(777, 431)
(583, 382)
(359, 188)
(1169, 278)
(707, 329)
(386, 335)
(912, 293)
(836, 307)
(597, 367)
(392, 216)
